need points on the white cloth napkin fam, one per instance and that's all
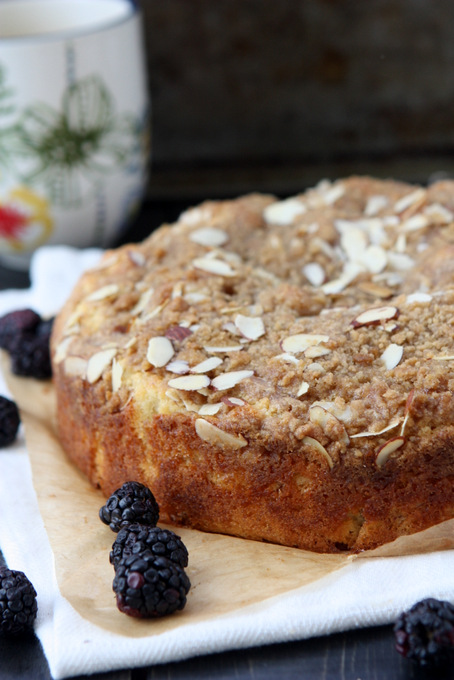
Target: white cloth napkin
(364, 593)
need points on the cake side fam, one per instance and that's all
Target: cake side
(277, 370)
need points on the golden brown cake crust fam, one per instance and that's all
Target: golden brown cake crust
(276, 370)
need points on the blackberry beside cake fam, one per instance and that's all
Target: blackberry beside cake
(280, 370)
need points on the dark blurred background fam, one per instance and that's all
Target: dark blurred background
(273, 95)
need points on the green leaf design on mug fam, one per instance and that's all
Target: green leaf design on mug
(70, 151)
(6, 107)
(8, 130)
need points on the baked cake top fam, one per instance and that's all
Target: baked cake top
(324, 319)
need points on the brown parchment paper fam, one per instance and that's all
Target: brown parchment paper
(226, 573)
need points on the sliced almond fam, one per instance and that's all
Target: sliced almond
(444, 357)
(160, 351)
(142, 302)
(233, 401)
(408, 404)
(332, 194)
(374, 259)
(214, 435)
(400, 261)
(375, 204)
(62, 349)
(303, 389)
(209, 236)
(137, 257)
(212, 265)
(104, 292)
(190, 405)
(222, 349)
(387, 449)
(375, 315)
(117, 375)
(229, 325)
(342, 411)
(317, 351)
(392, 355)
(154, 312)
(98, 362)
(210, 409)
(194, 298)
(418, 297)
(349, 274)
(327, 421)
(75, 366)
(400, 245)
(207, 365)
(283, 212)
(178, 333)
(252, 327)
(310, 441)
(73, 319)
(410, 199)
(314, 273)
(131, 342)
(375, 290)
(438, 213)
(177, 290)
(178, 366)
(288, 358)
(415, 222)
(302, 341)
(315, 368)
(353, 242)
(190, 383)
(193, 216)
(391, 426)
(225, 381)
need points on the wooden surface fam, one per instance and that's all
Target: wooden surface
(366, 654)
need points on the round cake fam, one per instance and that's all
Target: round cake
(278, 370)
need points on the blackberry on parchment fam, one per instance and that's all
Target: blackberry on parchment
(30, 356)
(425, 633)
(16, 324)
(9, 421)
(147, 586)
(26, 337)
(137, 538)
(18, 605)
(132, 502)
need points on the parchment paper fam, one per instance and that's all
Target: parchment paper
(226, 573)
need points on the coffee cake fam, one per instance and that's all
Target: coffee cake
(279, 370)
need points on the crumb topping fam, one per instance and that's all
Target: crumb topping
(320, 314)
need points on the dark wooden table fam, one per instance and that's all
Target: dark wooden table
(365, 654)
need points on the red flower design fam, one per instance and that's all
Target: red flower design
(12, 222)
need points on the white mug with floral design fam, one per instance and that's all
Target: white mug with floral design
(74, 123)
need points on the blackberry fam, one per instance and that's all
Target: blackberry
(147, 586)
(136, 539)
(9, 421)
(18, 604)
(30, 356)
(425, 633)
(15, 324)
(132, 502)
(26, 336)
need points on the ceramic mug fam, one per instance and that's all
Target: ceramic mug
(74, 123)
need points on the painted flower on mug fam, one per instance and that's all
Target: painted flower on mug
(25, 220)
(71, 150)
